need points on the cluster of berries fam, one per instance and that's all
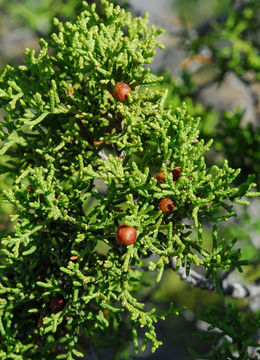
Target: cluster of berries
(125, 235)
(31, 191)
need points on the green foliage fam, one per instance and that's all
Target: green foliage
(183, 89)
(234, 46)
(233, 40)
(38, 15)
(233, 140)
(195, 12)
(65, 131)
(232, 331)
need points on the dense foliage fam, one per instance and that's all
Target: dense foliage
(84, 163)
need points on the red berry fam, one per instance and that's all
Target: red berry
(166, 205)
(57, 195)
(105, 312)
(121, 91)
(126, 235)
(176, 173)
(30, 188)
(160, 177)
(57, 302)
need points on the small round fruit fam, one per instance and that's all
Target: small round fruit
(30, 188)
(176, 173)
(160, 177)
(105, 312)
(58, 302)
(121, 91)
(166, 205)
(126, 235)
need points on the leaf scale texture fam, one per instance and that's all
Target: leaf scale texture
(84, 163)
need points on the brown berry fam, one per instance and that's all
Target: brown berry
(30, 188)
(166, 205)
(176, 173)
(126, 235)
(105, 312)
(41, 197)
(160, 177)
(57, 302)
(121, 91)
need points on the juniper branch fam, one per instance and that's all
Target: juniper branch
(235, 290)
(65, 253)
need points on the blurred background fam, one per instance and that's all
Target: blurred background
(206, 67)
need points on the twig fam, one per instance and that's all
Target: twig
(226, 274)
(235, 289)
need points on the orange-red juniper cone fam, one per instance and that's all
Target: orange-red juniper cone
(30, 188)
(160, 177)
(166, 205)
(176, 173)
(121, 91)
(126, 235)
